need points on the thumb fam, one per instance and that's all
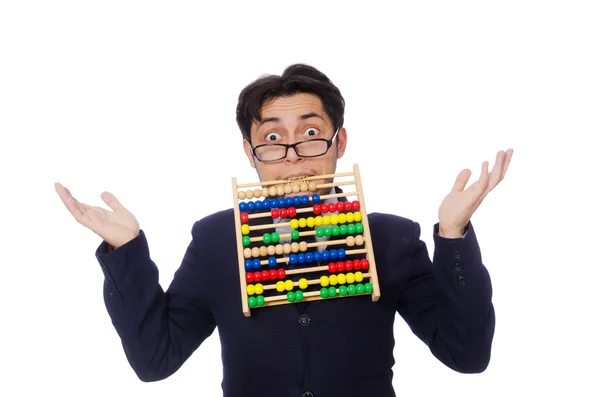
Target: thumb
(112, 201)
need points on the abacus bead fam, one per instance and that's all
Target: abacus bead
(272, 261)
(357, 216)
(281, 273)
(355, 205)
(360, 289)
(359, 228)
(327, 231)
(280, 191)
(246, 241)
(350, 217)
(350, 241)
(348, 266)
(262, 251)
(335, 231)
(295, 234)
(295, 247)
(282, 213)
(356, 264)
(265, 275)
(324, 208)
(316, 198)
(308, 257)
(312, 186)
(287, 248)
(273, 274)
(289, 202)
(244, 217)
(341, 278)
(293, 259)
(351, 289)
(281, 202)
(289, 285)
(294, 223)
(249, 194)
(279, 249)
(351, 229)
(243, 207)
(317, 256)
(325, 255)
(331, 207)
(248, 264)
(271, 250)
(358, 276)
(301, 258)
(245, 229)
(273, 203)
(251, 206)
(339, 206)
(364, 264)
(291, 212)
(258, 289)
(316, 209)
(260, 300)
(303, 246)
(318, 221)
(241, 195)
(332, 291)
(302, 222)
(333, 279)
(265, 192)
(310, 222)
(343, 290)
(256, 264)
(287, 189)
(295, 188)
(297, 200)
(347, 206)
(257, 276)
(257, 193)
(252, 301)
(334, 219)
(339, 266)
(291, 296)
(332, 267)
(250, 289)
(274, 237)
(299, 296)
(350, 278)
(341, 253)
(320, 232)
(303, 187)
(249, 277)
(280, 286)
(272, 191)
(305, 200)
(326, 220)
(359, 240)
(255, 252)
(368, 288)
(333, 254)
(303, 283)
(324, 293)
(267, 238)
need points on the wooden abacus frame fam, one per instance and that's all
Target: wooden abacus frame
(263, 187)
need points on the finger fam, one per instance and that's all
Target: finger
(496, 175)
(509, 154)
(112, 201)
(69, 201)
(461, 180)
(484, 179)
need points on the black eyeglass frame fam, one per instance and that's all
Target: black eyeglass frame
(293, 146)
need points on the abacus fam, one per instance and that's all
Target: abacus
(264, 263)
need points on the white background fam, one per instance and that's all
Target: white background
(133, 98)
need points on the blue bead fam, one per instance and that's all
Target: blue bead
(325, 255)
(297, 200)
(333, 255)
(273, 203)
(281, 202)
(341, 253)
(256, 264)
(248, 264)
(308, 257)
(316, 199)
(305, 200)
(243, 207)
(272, 261)
(251, 206)
(289, 202)
(317, 256)
(258, 205)
(301, 258)
(293, 259)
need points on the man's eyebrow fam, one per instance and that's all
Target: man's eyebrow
(278, 120)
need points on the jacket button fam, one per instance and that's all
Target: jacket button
(457, 266)
(457, 254)
(461, 280)
(304, 320)
(307, 394)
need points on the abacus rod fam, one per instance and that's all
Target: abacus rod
(312, 282)
(240, 249)
(266, 214)
(280, 181)
(286, 260)
(309, 296)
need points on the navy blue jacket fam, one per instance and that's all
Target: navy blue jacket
(332, 348)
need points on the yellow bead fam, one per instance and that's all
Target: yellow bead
(318, 221)
(294, 223)
(358, 277)
(349, 217)
(342, 218)
(302, 222)
(250, 289)
(350, 278)
(341, 279)
(326, 220)
(245, 229)
(258, 288)
(289, 285)
(333, 279)
(280, 286)
(333, 219)
(310, 222)
(303, 283)
(357, 216)
(324, 281)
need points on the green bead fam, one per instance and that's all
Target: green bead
(324, 293)
(360, 289)
(295, 234)
(260, 300)
(267, 238)
(252, 301)
(351, 228)
(335, 230)
(291, 296)
(274, 237)
(320, 232)
(343, 230)
(332, 291)
(368, 288)
(246, 240)
(328, 231)
(299, 295)
(359, 228)
(343, 290)
(352, 289)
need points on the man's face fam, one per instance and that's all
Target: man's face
(289, 120)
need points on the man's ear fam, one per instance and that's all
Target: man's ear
(342, 139)
(248, 151)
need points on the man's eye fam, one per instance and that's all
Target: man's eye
(311, 132)
(272, 136)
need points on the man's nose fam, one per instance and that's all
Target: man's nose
(291, 155)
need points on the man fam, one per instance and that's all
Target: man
(337, 347)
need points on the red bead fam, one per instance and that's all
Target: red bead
(274, 213)
(316, 209)
(244, 217)
(339, 206)
(324, 208)
(273, 274)
(331, 267)
(283, 212)
(249, 277)
(355, 205)
(347, 205)
(281, 273)
(291, 212)
(331, 207)
(348, 265)
(364, 264)
(265, 275)
(257, 276)
(340, 266)
(356, 264)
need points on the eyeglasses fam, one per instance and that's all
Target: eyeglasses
(276, 151)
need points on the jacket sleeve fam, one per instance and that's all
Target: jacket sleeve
(448, 303)
(159, 330)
